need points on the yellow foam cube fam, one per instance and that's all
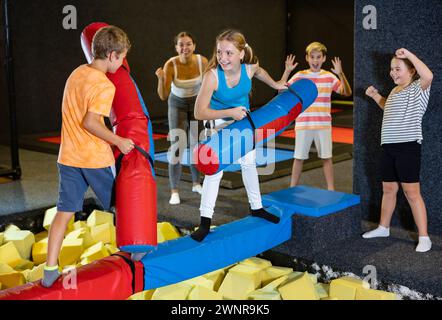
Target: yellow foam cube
(49, 217)
(82, 233)
(275, 283)
(70, 252)
(200, 281)
(2, 236)
(166, 232)
(322, 290)
(299, 288)
(204, 293)
(12, 279)
(75, 234)
(104, 232)
(249, 271)
(295, 274)
(345, 288)
(286, 278)
(370, 294)
(111, 249)
(10, 255)
(41, 235)
(143, 295)
(178, 291)
(237, 286)
(5, 268)
(36, 273)
(40, 251)
(11, 228)
(342, 292)
(257, 263)
(83, 262)
(95, 252)
(79, 224)
(23, 265)
(272, 273)
(261, 294)
(23, 241)
(25, 273)
(217, 277)
(98, 217)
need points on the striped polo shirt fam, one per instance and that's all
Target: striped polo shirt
(403, 114)
(318, 115)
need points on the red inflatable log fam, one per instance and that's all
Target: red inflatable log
(112, 278)
(135, 183)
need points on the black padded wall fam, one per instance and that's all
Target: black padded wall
(329, 22)
(46, 53)
(415, 25)
(4, 110)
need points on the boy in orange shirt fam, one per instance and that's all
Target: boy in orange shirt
(85, 158)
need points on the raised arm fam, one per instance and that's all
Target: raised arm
(421, 68)
(165, 76)
(202, 103)
(290, 65)
(373, 93)
(262, 75)
(345, 88)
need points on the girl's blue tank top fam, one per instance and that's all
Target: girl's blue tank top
(227, 98)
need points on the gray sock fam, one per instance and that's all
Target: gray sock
(49, 277)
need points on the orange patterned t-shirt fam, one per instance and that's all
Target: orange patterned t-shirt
(87, 90)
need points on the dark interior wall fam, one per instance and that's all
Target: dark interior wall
(4, 113)
(415, 25)
(45, 53)
(329, 22)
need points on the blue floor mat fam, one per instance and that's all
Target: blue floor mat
(310, 201)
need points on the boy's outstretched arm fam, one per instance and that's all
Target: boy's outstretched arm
(345, 88)
(421, 68)
(92, 123)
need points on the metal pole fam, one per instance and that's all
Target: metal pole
(11, 94)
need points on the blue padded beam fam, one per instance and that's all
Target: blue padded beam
(310, 201)
(184, 258)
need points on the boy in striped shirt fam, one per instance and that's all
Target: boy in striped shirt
(314, 124)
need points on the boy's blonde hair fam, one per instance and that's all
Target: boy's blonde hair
(316, 46)
(109, 39)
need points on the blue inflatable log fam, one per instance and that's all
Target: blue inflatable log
(236, 140)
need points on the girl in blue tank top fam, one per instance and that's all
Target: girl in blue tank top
(224, 95)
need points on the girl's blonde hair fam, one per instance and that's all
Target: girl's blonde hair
(239, 41)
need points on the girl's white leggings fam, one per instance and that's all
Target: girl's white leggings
(249, 177)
